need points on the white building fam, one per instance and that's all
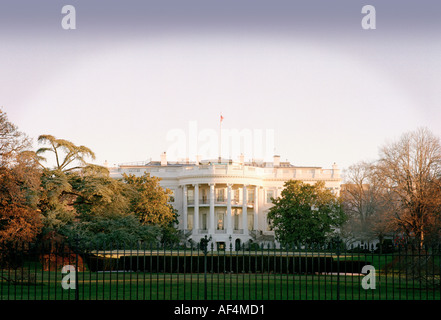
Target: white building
(227, 200)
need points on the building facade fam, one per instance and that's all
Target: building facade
(227, 200)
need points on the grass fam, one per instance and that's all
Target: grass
(146, 286)
(32, 283)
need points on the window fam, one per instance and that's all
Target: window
(190, 196)
(190, 221)
(204, 221)
(220, 195)
(250, 221)
(236, 213)
(236, 196)
(220, 221)
(204, 198)
(269, 195)
(250, 195)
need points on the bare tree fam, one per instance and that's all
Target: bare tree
(12, 141)
(409, 171)
(363, 202)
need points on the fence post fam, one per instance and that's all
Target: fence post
(338, 268)
(77, 247)
(204, 245)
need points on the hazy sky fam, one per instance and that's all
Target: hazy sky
(135, 71)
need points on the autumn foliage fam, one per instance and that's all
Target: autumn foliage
(19, 185)
(20, 219)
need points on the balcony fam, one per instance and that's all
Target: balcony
(220, 200)
(206, 201)
(191, 202)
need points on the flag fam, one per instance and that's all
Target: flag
(221, 118)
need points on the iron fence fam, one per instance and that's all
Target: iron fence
(78, 271)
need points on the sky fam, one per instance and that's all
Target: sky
(302, 78)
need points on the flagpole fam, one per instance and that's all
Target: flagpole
(220, 139)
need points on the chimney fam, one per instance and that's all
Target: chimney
(198, 159)
(276, 162)
(163, 159)
(241, 158)
(335, 171)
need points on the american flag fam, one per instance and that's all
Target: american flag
(221, 118)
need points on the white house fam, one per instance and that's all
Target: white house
(227, 200)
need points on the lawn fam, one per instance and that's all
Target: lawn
(34, 284)
(147, 286)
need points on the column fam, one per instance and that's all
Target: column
(184, 207)
(244, 211)
(229, 222)
(196, 210)
(211, 219)
(256, 207)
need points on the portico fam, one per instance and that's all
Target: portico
(221, 209)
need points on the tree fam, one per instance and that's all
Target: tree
(72, 187)
(410, 171)
(116, 232)
(65, 152)
(76, 192)
(99, 195)
(19, 218)
(19, 185)
(56, 199)
(149, 201)
(12, 141)
(305, 213)
(363, 202)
